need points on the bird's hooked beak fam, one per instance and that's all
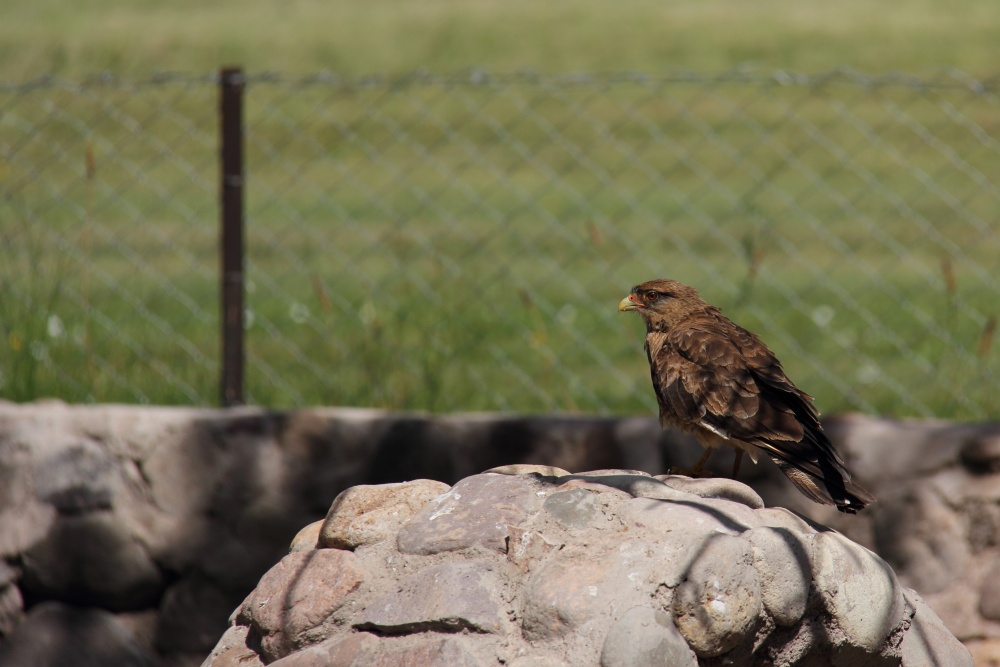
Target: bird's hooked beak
(628, 303)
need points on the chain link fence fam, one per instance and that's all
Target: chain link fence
(461, 242)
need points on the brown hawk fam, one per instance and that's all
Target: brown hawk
(719, 382)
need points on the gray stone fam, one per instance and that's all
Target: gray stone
(184, 474)
(8, 574)
(609, 494)
(858, 589)
(989, 596)
(637, 486)
(803, 645)
(475, 512)
(890, 449)
(430, 652)
(295, 602)
(958, 487)
(16, 458)
(365, 514)
(779, 517)
(717, 606)
(11, 609)
(689, 516)
(781, 558)
(982, 520)
(528, 469)
(639, 442)
(646, 637)
(922, 538)
(144, 624)
(92, 557)
(77, 477)
(715, 487)
(212, 498)
(928, 641)
(174, 542)
(24, 526)
(613, 472)
(235, 562)
(449, 597)
(573, 509)
(366, 651)
(55, 634)
(574, 590)
(329, 449)
(538, 661)
(675, 532)
(981, 453)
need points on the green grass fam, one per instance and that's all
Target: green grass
(137, 38)
(441, 245)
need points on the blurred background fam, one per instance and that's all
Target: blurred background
(446, 200)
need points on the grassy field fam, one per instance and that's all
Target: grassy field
(462, 244)
(136, 38)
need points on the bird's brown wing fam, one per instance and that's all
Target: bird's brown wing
(779, 391)
(711, 373)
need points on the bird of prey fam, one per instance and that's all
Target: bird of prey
(719, 382)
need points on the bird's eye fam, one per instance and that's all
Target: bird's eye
(652, 295)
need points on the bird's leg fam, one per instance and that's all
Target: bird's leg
(696, 470)
(736, 463)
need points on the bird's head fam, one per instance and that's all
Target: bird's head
(662, 303)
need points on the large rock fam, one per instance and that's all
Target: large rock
(613, 568)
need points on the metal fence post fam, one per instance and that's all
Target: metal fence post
(231, 85)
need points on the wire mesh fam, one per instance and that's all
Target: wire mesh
(461, 242)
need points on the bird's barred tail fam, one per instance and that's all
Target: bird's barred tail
(833, 488)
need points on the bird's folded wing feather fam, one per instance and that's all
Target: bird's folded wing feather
(703, 377)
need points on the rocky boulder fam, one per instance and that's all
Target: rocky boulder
(528, 566)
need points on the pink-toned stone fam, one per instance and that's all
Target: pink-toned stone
(307, 539)
(233, 650)
(370, 513)
(296, 600)
(354, 649)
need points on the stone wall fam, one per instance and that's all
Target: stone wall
(139, 530)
